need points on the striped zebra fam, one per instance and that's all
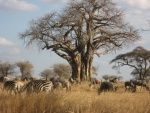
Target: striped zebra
(58, 86)
(61, 82)
(12, 86)
(94, 81)
(67, 85)
(107, 86)
(36, 86)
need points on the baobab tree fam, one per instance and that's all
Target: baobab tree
(138, 59)
(82, 29)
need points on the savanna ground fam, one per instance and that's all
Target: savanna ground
(80, 100)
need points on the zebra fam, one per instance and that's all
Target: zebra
(74, 81)
(4, 79)
(129, 85)
(141, 83)
(113, 80)
(36, 86)
(94, 81)
(12, 86)
(65, 83)
(107, 86)
(58, 85)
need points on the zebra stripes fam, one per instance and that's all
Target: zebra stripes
(38, 86)
(12, 86)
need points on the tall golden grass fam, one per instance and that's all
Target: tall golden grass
(80, 100)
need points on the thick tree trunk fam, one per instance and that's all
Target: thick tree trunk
(75, 71)
(76, 67)
(90, 67)
(82, 74)
(83, 66)
(89, 61)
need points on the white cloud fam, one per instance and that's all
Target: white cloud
(8, 49)
(5, 42)
(143, 4)
(17, 5)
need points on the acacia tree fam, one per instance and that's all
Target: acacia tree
(135, 73)
(107, 77)
(47, 73)
(26, 68)
(6, 68)
(138, 59)
(82, 29)
(62, 70)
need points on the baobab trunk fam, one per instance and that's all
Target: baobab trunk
(89, 69)
(75, 71)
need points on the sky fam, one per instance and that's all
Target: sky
(15, 16)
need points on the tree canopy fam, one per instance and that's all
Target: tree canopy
(47, 73)
(83, 28)
(60, 70)
(6, 69)
(109, 77)
(138, 59)
(135, 73)
(26, 68)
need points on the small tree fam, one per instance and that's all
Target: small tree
(47, 73)
(138, 59)
(26, 68)
(62, 70)
(135, 73)
(105, 77)
(6, 68)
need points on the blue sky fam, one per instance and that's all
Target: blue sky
(15, 17)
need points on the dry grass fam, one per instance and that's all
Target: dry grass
(80, 100)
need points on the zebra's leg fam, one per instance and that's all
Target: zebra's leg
(70, 88)
(141, 88)
(125, 89)
(16, 91)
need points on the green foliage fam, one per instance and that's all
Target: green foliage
(135, 73)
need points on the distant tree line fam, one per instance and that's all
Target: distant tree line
(60, 70)
(109, 77)
(9, 69)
